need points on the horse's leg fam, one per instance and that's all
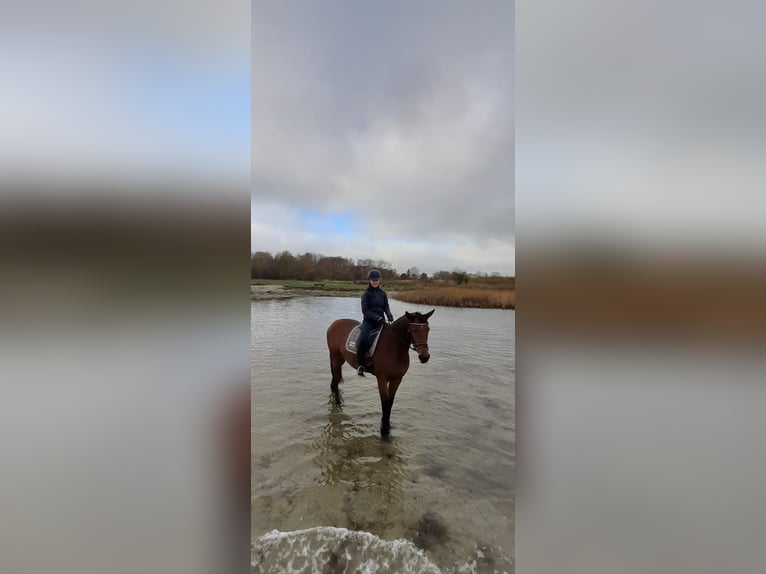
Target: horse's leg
(393, 385)
(385, 426)
(387, 391)
(336, 362)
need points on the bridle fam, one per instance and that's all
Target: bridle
(411, 344)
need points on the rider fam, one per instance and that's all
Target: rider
(374, 306)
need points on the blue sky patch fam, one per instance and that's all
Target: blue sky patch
(341, 224)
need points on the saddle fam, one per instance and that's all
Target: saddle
(353, 337)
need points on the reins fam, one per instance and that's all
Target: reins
(411, 346)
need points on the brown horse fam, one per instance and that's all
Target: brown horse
(390, 360)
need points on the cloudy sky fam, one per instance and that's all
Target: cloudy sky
(145, 92)
(385, 131)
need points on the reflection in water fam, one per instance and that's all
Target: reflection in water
(372, 471)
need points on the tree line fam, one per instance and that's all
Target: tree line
(315, 267)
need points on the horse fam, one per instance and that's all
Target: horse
(390, 360)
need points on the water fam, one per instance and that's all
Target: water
(328, 495)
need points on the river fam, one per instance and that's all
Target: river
(328, 495)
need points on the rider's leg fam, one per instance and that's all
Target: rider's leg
(362, 345)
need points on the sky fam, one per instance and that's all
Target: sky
(149, 91)
(385, 131)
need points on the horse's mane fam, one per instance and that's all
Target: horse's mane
(404, 317)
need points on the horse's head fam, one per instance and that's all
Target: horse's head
(419, 333)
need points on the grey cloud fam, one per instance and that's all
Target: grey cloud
(400, 110)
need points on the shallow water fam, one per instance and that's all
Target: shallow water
(438, 495)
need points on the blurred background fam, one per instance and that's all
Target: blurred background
(124, 310)
(640, 282)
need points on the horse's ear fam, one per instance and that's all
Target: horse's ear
(427, 315)
(408, 315)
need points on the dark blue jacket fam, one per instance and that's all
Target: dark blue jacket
(375, 305)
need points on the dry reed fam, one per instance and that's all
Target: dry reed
(485, 298)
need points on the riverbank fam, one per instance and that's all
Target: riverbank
(478, 295)
(263, 292)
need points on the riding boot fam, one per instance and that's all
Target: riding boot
(360, 362)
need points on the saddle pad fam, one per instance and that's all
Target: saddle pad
(353, 336)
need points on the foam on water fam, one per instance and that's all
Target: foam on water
(337, 550)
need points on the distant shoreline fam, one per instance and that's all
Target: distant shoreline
(267, 292)
(450, 296)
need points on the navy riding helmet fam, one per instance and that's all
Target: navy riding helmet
(374, 275)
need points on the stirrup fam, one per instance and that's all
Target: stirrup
(360, 371)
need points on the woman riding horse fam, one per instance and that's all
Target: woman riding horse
(390, 360)
(374, 306)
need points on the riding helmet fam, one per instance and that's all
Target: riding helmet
(374, 275)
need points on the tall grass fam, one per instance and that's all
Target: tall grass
(485, 298)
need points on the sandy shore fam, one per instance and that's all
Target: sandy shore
(264, 292)
(260, 292)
